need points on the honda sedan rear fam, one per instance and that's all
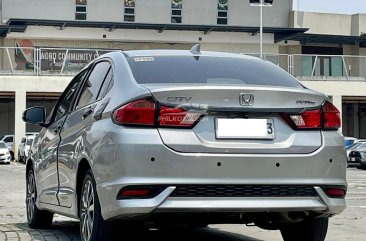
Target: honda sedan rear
(188, 137)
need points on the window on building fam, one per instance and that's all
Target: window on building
(129, 11)
(80, 9)
(176, 11)
(222, 11)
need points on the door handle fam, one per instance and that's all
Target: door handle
(57, 129)
(88, 111)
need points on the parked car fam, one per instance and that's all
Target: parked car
(357, 158)
(5, 156)
(9, 142)
(24, 147)
(187, 137)
(355, 146)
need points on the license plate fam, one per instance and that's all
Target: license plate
(244, 128)
(353, 159)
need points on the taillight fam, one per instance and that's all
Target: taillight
(138, 112)
(331, 116)
(335, 192)
(326, 118)
(139, 192)
(307, 120)
(169, 116)
(146, 112)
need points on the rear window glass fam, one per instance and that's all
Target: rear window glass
(208, 70)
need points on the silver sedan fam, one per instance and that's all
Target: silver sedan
(187, 137)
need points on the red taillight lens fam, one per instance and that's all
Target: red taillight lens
(331, 115)
(326, 118)
(139, 192)
(136, 193)
(307, 120)
(169, 116)
(139, 112)
(144, 112)
(335, 192)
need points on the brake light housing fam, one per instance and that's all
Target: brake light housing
(138, 112)
(327, 117)
(147, 112)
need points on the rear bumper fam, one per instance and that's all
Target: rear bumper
(156, 164)
(163, 203)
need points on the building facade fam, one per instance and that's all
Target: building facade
(43, 43)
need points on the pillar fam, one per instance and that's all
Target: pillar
(20, 106)
(356, 120)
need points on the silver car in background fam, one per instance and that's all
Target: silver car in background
(187, 137)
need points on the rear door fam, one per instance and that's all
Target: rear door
(48, 142)
(76, 138)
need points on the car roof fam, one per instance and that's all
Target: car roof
(165, 52)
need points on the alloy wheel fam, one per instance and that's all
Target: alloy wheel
(31, 196)
(87, 211)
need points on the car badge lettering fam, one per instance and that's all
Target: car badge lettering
(246, 99)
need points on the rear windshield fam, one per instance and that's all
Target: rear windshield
(208, 70)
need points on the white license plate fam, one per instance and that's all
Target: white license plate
(244, 128)
(353, 159)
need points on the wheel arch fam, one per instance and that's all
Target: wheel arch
(29, 165)
(83, 167)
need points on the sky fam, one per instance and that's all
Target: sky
(331, 6)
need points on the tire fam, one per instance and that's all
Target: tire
(92, 225)
(19, 157)
(36, 218)
(314, 229)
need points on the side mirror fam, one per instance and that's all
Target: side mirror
(35, 115)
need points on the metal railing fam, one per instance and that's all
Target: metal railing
(349, 67)
(46, 61)
(282, 60)
(63, 61)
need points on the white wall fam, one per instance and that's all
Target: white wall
(329, 23)
(199, 12)
(322, 23)
(240, 13)
(105, 10)
(39, 9)
(149, 11)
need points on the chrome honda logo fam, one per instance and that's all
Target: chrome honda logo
(246, 99)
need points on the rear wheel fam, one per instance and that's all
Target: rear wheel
(314, 229)
(36, 218)
(92, 225)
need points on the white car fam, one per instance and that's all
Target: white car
(24, 147)
(5, 156)
(9, 142)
